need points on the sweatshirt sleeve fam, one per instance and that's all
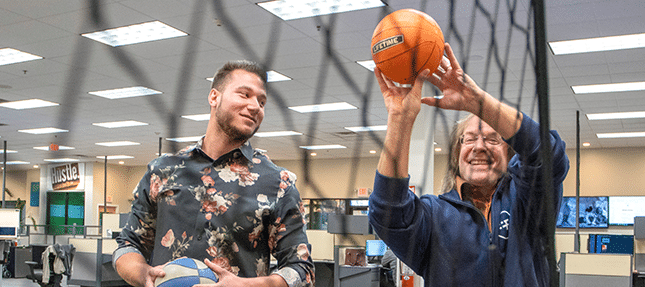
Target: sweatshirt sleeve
(394, 213)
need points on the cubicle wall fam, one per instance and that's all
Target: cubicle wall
(595, 270)
(84, 270)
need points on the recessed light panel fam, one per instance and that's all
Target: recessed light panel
(197, 117)
(12, 56)
(115, 157)
(331, 146)
(273, 76)
(117, 143)
(14, 162)
(368, 64)
(60, 160)
(134, 34)
(323, 107)
(608, 88)
(367, 129)
(125, 93)
(598, 44)
(28, 104)
(616, 116)
(46, 148)
(120, 124)
(296, 9)
(277, 134)
(8, 151)
(185, 139)
(39, 131)
(620, 135)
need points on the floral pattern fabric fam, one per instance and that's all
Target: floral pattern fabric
(236, 211)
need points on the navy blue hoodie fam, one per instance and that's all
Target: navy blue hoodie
(447, 240)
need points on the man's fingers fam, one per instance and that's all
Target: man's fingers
(216, 268)
(451, 57)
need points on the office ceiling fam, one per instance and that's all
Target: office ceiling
(74, 65)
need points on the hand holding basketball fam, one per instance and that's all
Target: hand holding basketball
(405, 43)
(460, 92)
(186, 272)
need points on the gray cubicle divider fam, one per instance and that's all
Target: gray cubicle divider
(595, 270)
(639, 245)
(348, 224)
(639, 227)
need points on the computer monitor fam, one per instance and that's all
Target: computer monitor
(375, 247)
(593, 212)
(611, 243)
(9, 223)
(623, 209)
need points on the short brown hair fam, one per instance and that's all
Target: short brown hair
(221, 77)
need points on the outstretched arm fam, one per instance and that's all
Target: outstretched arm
(134, 269)
(403, 106)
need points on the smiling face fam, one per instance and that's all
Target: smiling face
(239, 107)
(484, 161)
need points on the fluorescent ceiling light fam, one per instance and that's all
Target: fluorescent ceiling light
(117, 143)
(331, 146)
(598, 44)
(125, 93)
(115, 157)
(12, 56)
(8, 151)
(198, 117)
(606, 88)
(296, 9)
(323, 107)
(620, 135)
(60, 160)
(277, 134)
(272, 76)
(120, 124)
(46, 148)
(134, 34)
(367, 129)
(43, 131)
(616, 116)
(14, 162)
(369, 64)
(185, 139)
(27, 104)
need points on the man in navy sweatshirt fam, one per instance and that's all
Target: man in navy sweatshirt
(487, 228)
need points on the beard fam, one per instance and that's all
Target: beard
(224, 122)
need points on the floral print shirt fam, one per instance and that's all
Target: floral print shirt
(236, 211)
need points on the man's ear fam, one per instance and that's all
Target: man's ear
(214, 97)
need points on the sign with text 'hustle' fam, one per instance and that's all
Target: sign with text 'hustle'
(67, 177)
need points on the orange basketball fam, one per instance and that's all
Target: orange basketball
(405, 43)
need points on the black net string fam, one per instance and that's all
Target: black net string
(505, 27)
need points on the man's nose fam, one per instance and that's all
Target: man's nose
(254, 104)
(479, 143)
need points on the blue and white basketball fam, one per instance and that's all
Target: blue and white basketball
(186, 272)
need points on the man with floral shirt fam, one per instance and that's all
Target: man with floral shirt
(220, 200)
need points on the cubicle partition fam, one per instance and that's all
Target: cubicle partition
(595, 270)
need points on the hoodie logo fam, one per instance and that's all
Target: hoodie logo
(505, 217)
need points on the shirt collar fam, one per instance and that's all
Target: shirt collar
(246, 149)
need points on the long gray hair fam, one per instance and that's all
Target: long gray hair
(449, 181)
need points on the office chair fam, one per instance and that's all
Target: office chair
(58, 259)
